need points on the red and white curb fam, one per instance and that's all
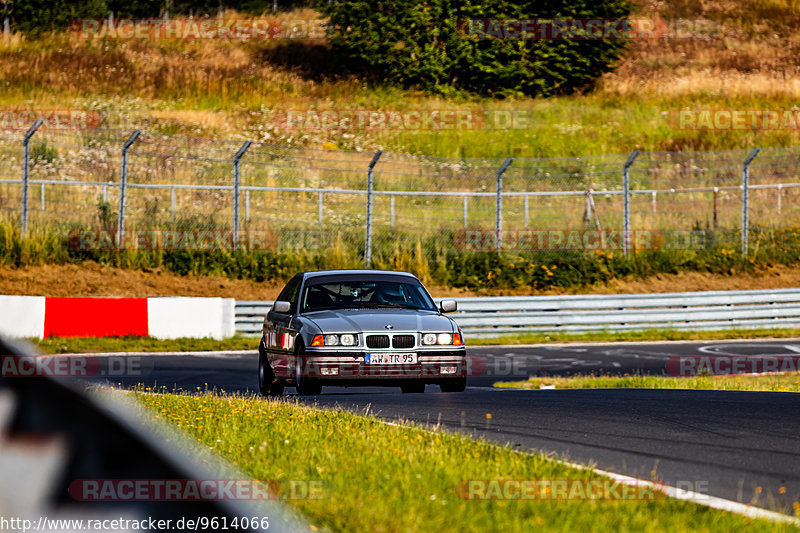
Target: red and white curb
(162, 318)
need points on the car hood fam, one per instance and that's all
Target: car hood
(357, 320)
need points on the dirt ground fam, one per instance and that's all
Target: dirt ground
(92, 279)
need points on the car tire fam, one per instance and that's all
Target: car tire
(267, 384)
(454, 385)
(304, 385)
(413, 388)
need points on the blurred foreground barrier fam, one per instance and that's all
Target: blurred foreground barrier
(59, 443)
(489, 316)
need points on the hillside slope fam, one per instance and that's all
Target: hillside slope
(725, 54)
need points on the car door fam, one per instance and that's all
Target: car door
(279, 333)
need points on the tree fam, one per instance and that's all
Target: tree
(433, 46)
(35, 17)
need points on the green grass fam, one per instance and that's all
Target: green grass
(788, 382)
(430, 257)
(234, 89)
(404, 478)
(57, 345)
(635, 336)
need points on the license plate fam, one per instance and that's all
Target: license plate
(391, 358)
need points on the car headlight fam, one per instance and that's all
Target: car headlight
(331, 340)
(346, 339)
(429, 339)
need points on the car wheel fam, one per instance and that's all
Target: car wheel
(267, 384)
(305, 386)
(413, 388)
(454, 385)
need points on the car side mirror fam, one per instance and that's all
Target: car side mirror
(448, 306)
(281, 307)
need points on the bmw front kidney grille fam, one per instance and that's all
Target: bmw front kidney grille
(377, 341)
(403, 341)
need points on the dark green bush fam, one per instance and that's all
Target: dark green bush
(35, 17)
(420, 44)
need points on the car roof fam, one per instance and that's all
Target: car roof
(356, 272)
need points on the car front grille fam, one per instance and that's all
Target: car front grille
(403, 341)
(377, 341)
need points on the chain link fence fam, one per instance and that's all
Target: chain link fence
(185, 192)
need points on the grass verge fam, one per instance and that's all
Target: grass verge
(634, 336)
(141, 344)
(404, 478)
(787, 382)
(57, 345)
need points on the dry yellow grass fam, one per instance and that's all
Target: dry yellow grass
(219, 88)
(754, 52)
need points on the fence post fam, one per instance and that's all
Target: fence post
(26, 145)
(319, 207)
(716, 193)
(368, 251)
(745, 190)
(626, 205)
(466, 212)
(498, 211)
(391, 210)
(123, 185)
(527, 221)
(236, 160)
(247, 206)
(654, 201)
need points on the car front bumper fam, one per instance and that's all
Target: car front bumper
(431, 366)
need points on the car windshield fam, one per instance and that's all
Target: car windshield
(352, 294)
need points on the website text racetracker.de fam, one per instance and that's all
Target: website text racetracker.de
(455, 119)
(73, 366)
(184, 240)
(522, 240)
(587, 29)
(44, 523)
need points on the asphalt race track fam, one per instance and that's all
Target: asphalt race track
(742, 446)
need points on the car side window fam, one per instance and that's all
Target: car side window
(290, 292)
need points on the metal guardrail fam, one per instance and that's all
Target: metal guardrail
(489, 316)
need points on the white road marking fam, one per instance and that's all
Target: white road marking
(724, 349)
(219, 354)
(699, 498)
